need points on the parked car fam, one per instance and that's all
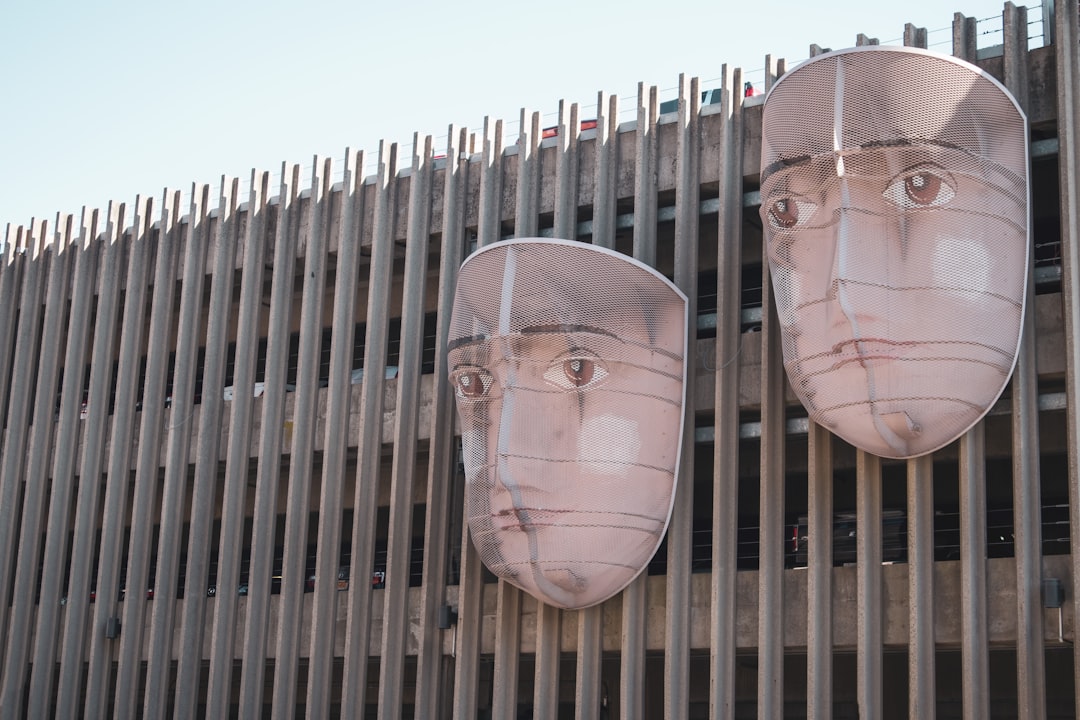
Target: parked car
(357, 375)
(553, 131)
(708, 97)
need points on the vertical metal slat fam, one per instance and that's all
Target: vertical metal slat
(1030, 664)
(1067, 65)
(921, 648)
(42, 673)
(335, 445)
(26, 592)
(868, 583)
(406, 422)
(819, 585)
(725, 502)
(974, 622)
(441, 463)
(681, 527)
(634, 611)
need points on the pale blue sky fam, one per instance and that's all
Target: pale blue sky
(111, 99)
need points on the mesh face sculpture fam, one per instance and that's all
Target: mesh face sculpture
(568, 363)
(894, 202)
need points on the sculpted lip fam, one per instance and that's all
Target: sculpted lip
(863, 350)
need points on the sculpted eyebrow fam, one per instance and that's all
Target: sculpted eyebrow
(534, 329)
(469, 340)
(782, 163)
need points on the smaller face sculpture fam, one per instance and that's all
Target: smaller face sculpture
(568, 364)
(894, 204)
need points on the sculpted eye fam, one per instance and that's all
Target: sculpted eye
(787, 213)
(921, 187)
(576, 372)
(472, 383)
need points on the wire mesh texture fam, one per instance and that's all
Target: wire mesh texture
(894, 199)
(569, 365)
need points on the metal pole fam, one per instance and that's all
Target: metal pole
(921, 648)
(725, 505)
(264, 513)
(406, 422)
(441, 462)
(868, 553)
(974, 622)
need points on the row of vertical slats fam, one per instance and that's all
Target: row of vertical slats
(86, 517)
(16, 669)
(27, 348)
(42, 676)
(23, 281)
(1067, 65)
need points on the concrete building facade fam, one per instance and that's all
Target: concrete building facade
(231, 484)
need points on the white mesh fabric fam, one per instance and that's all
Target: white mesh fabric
(568, 364)
(894, 202)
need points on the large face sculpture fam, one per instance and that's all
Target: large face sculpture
(568, 362)
(894, 202)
